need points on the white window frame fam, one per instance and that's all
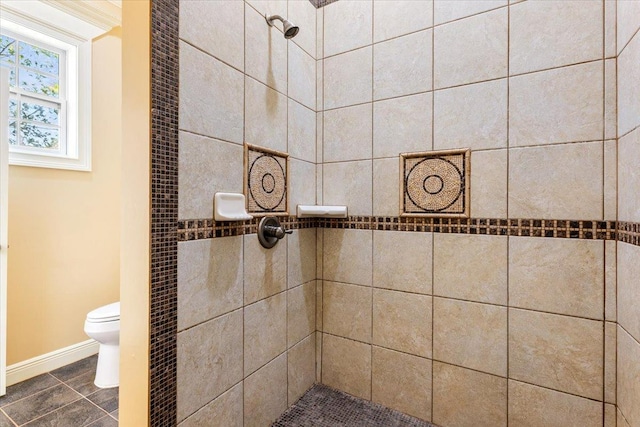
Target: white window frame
(77, 102)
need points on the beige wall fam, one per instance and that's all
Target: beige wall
(64, 229)
(455, 328)
(136, 213)
(246, 315)
(628, 48)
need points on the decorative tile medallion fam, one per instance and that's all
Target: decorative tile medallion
(435, 183)
(266, 180)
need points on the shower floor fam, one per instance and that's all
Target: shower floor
(322, 406)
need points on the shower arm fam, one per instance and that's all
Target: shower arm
(271, 18)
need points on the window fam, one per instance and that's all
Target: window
(37, 95)
(49, 106)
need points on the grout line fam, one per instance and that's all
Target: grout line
(32, 394)
(373, 71)
(507, 194)
(433, 245)
(604, 209)
(464, 367)
(8, 417)
(244, 138)
(628, 41)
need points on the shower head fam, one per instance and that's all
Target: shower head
(288, 28)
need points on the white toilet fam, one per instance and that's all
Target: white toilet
(103, 325)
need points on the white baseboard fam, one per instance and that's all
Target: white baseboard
(48, 362)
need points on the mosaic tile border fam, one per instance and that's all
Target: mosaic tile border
(629, 232)
(164, 213)
(196, 229)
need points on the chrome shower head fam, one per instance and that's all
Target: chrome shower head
(288, 28)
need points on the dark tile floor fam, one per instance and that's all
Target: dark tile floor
(322, 406)
(65, 397)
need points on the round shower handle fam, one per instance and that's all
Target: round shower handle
(270, 231)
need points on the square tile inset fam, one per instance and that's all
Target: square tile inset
(435, 183)
(266, 180)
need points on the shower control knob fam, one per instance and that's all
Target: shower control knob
(270, 231)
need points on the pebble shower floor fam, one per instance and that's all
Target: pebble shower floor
(322, 406)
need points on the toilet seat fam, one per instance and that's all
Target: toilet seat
(107, 313)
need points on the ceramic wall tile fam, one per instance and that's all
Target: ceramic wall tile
(266, 52)
(217, 40)
(302, 76)
(401, 382)
(346, 365)
(402, 261)
(547, 34)
(301, 134)
(402, 66)
(445, 10)
(564, 276)
(471, 335)
(402, 125)
(481, 277)
(265, 393)
(265, 116)
(559, 105)
(471, 50)
(347, 256)
(462, 397)
(544, 182)
(210, 279)
(558, 352)
(346, 311)
(264, 274)
(533, 405)
(209, 361)
(342, 139)
(206, 166)
(226, 408)
(473, 116)
(301, 368)
(489, 184)
(211, 96)
(348, 78)
(348, 26)
(386, 187)
(629, 177)
(399, 17)
(629, 288)
(301, 312)
(265, 332)
(402, 321)
(348, 184)
(628, 377)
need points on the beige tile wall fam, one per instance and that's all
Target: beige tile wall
(468, 323)
(628, 256)
(418, 322)
(246, 315)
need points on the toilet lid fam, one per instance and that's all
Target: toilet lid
(105, 313)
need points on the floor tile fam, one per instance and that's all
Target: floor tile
(76, 369)
(4, 421)
(27, 388)
(79, 413)
(106, 398)
(114, 414)
(40, 404)
(83, 384)
(104, 422)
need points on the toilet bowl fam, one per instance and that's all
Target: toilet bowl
(103, 325)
